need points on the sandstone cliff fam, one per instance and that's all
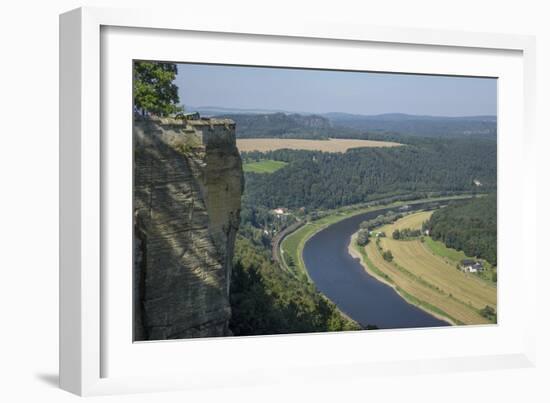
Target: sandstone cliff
(187, 196)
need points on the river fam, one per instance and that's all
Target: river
(345, 282)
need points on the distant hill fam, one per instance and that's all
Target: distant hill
(220, 110)
(418, 125)
(281, 125)
(270, 123)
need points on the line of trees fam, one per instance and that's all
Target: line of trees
(380, 220)
(406, 233)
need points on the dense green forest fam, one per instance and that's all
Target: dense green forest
(470, 227)
(315, 180)
(267, 300)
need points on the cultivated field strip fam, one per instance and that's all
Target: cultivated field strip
(451, 308)
(330, 145)
(412, 221)
(464, 286)
(429, 278)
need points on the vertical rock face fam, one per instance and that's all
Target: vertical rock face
(187, 196)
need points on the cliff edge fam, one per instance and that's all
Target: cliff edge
(187, 197)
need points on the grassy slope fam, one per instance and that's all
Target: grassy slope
(428, 280)
(438, 248)
(263, 166)
(454, 257)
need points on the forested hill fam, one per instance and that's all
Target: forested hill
(343, 125)
(470, 227)
(416, 125)
(281, 125)
(268, 300)
(329, 180)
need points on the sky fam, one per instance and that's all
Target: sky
(322, 91)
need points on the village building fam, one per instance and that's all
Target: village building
(279, 211)
(471, 266)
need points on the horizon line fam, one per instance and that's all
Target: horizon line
(266, 111)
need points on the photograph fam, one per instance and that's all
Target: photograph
(275, 200)
(269, 202)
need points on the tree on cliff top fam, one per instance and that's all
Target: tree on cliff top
(154, 88)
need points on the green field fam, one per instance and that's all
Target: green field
(439, 248)
(263, 166)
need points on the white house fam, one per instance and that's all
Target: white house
(279, 211)
(471, 266)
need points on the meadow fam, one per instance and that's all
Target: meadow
(263, 166)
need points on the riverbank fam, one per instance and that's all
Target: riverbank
(356, 252)
(424, 279)
(342, 279)
(292, 244)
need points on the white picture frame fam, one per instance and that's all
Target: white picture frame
(93, 55)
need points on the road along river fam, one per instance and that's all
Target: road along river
(345, 282)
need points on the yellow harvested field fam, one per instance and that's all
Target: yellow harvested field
(464, 286)
(411, 221)
(429, 278)
(331, 145)
(455, 309)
